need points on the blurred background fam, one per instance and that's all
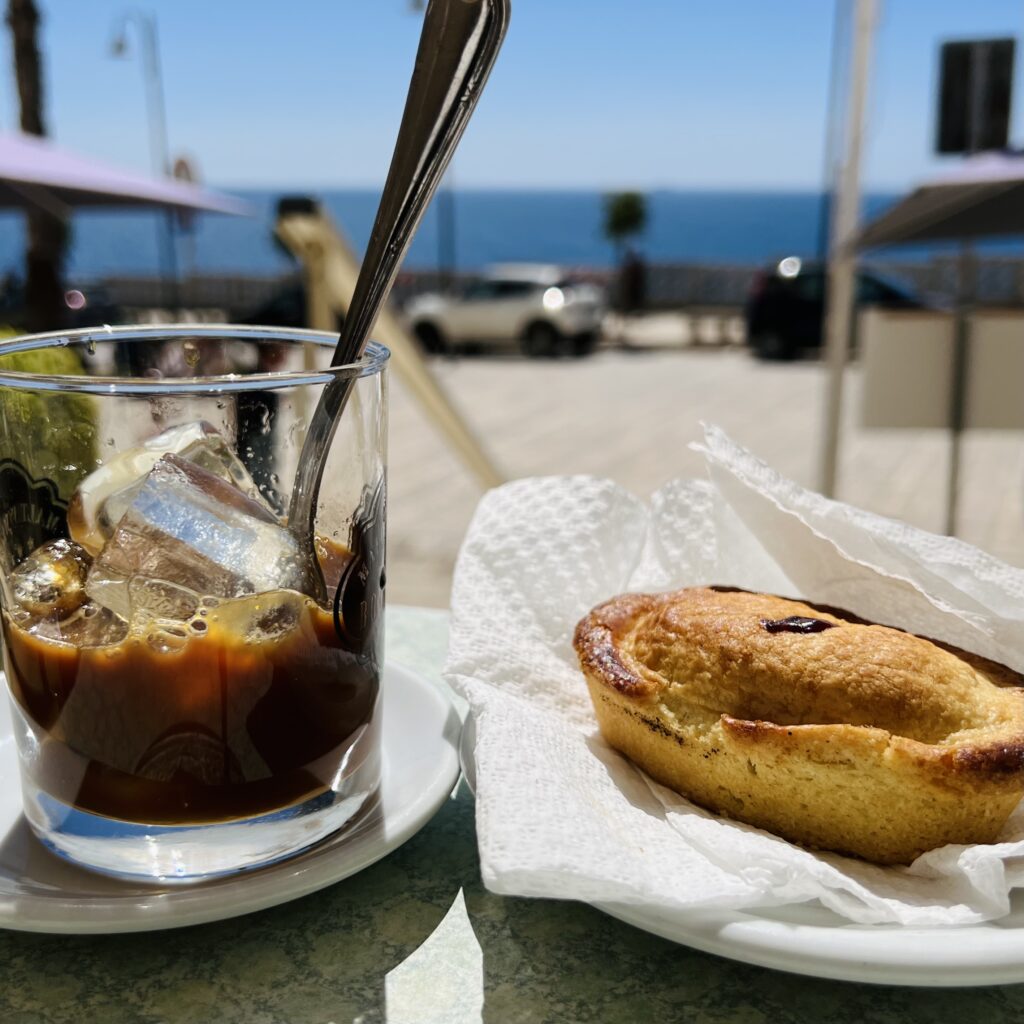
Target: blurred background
(796, 220)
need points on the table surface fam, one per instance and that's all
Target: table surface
(416, 938)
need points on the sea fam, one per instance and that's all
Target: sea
(491, 226)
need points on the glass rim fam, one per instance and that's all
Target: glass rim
(372, 362)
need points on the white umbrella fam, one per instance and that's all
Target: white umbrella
(982, 197)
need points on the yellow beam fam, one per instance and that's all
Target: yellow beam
(330, 269)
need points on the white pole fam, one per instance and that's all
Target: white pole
(843, 261)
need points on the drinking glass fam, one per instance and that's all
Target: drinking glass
(191, 693)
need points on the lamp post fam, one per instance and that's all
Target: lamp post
(156, 109)
(840, 295)
(444, 205)
(838, 59)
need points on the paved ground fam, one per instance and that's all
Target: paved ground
(676, 328)
(630, 416)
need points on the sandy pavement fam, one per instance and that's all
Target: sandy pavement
(631, 416)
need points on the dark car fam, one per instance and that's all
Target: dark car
(287, 307)
(786, 306)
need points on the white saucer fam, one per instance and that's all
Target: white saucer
(42, 893)
(805, 938)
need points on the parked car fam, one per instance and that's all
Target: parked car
(786, 306)
(547, 312)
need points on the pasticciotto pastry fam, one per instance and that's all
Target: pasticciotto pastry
(815, 725)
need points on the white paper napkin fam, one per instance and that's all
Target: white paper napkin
(561, 814)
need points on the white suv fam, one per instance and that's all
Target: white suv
(543, 309)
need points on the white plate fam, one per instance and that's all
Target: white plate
(40, 892)
(805, 938)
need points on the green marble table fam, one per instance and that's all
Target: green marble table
(417, 939)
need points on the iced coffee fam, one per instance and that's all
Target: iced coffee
(177, 660)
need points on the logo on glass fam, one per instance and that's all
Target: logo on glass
(31, 511)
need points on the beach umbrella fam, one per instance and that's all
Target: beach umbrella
(983, 197)
(35, 172)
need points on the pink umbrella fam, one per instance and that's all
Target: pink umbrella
(35, 172)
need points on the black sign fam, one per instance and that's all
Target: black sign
(975, 86)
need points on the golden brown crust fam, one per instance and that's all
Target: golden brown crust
(859, 737)
(597, 643)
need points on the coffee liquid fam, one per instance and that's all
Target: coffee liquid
(267, 706)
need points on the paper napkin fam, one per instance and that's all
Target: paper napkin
(561, 814)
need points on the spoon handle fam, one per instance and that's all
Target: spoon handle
(458, 47)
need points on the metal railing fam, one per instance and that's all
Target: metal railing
(1000, 282)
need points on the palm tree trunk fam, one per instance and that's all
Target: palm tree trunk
(47, 232)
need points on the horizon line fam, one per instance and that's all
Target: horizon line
(795, 189)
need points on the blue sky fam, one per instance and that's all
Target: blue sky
(588, 93)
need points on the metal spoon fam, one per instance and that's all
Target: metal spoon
(458, 47)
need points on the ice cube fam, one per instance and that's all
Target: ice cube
(274, 622)
(265, 618)
(50, 583)
(167, 636)
(160, 599)
(88, 626)
(105, 494)
(189, 527)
